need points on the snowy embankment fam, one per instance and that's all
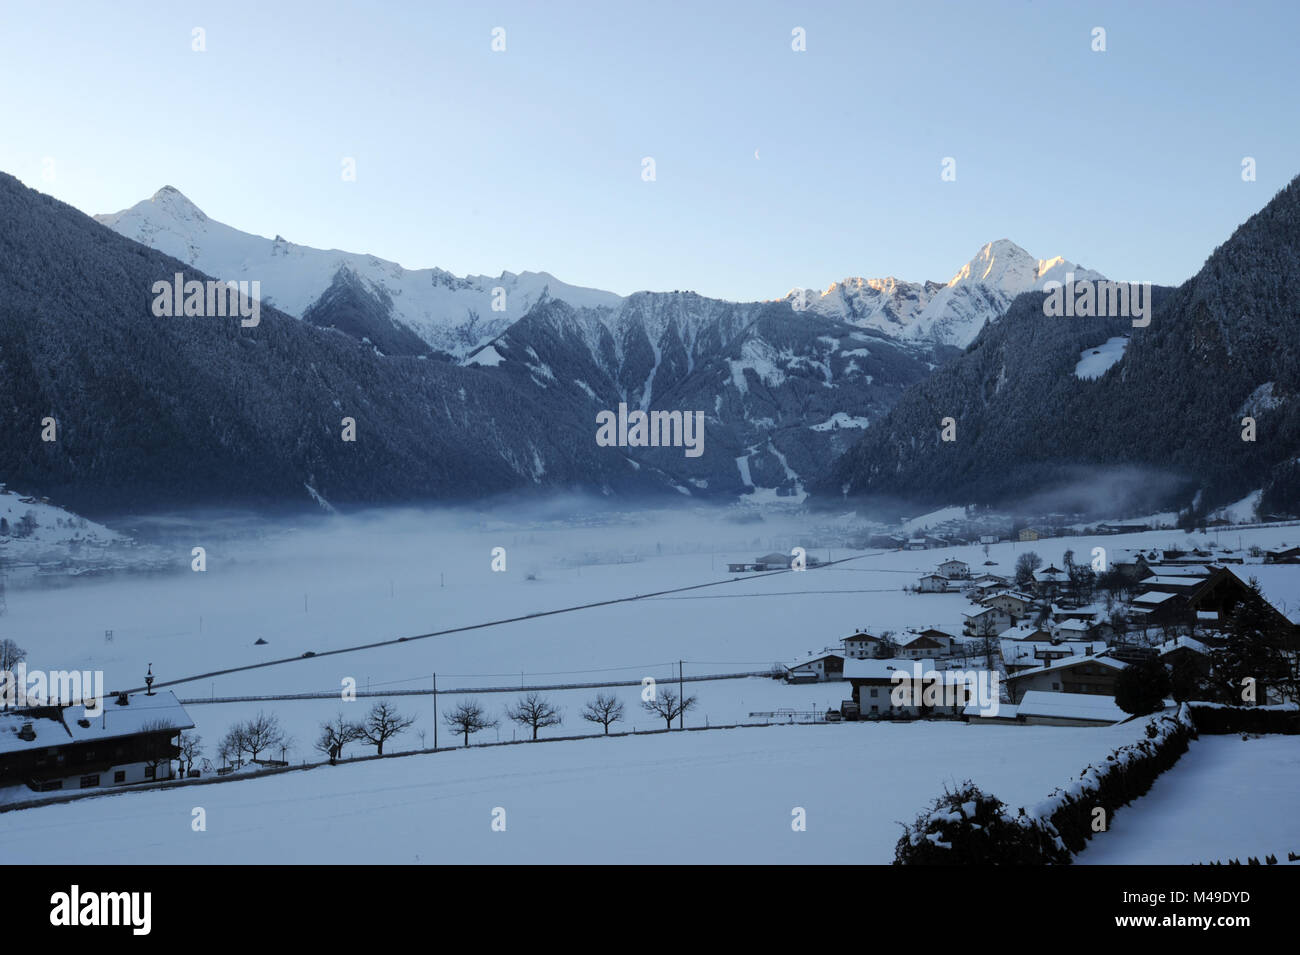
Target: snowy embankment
(1227, 798)
(711, 796)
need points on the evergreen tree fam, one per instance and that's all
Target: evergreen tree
(1141, 688)
(1255, 649)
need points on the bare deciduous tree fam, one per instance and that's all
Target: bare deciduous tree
(468, 717)
(230, 751)
(667, 705)
(383, 722)
(253, 736)
(604, 709)
(988, 642)
(191, 750)
(1026, 564)
(10, 655)
(536, 711)
(336, 734)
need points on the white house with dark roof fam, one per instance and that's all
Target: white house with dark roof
(986, 622)
(131, 740)
(1049, 580)
(920, 646)
(819, 667)
(861, 646)
(955, 569)
(933, 584)
(874, 682)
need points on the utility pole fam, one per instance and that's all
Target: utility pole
(435, 711)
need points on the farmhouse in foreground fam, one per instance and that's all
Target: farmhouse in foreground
(51, 748)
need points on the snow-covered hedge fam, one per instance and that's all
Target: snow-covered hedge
(1120, 778)
(1217, 718)
(967, 826)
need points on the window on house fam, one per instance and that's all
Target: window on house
(875, 709)
(1056, 686)
(89, 781)
(875, 692)
(51, 784)
(149, 772)
(119, 776)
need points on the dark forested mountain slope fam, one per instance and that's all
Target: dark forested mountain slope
(155, 412)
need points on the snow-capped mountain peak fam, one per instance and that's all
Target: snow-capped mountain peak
(449, 312)
(950, 313)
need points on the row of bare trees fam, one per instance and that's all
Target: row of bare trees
(536, 712)
(248, 740)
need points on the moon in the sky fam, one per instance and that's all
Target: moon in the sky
(755, 153)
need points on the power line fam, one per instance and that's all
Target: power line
(313, 654)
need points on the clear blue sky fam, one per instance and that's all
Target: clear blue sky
(1127, 161)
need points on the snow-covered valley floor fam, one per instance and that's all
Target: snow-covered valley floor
(711, 796)
(704, 797)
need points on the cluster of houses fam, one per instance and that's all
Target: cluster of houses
(1057, 657)
(927, 541)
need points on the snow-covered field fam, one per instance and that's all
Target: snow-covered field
(361, 580)
(707, 797)
(357, 580)
(1095, 362)
(1227, 798)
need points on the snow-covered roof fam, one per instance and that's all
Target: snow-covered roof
(1023, 598)
(883, 669)
(1005, 711)
(1070, 661)
(1168, 580)
(1151, 598)
(1022, 651)
(1180, 570)
(115, 721)
(913, 638)
(1076, 706)
(1022, 631)
(1074, 626)
(1183, 643)
(861, 637)
(814, 657)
